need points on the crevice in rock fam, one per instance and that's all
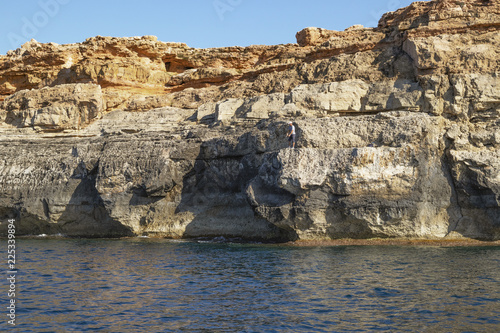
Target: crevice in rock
(46, 209)
(448, 173)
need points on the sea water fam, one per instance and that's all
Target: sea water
(147, 285)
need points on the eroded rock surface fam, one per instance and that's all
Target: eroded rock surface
(398, 133)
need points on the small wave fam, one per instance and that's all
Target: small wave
(178, 241)
(220, 239)
(51, 236)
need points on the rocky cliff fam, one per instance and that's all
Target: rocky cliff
(398, 132)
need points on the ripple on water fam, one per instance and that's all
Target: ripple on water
(155, 285)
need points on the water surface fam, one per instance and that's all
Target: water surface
(143, 285)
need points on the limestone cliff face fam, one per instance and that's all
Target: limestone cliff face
(398, 133)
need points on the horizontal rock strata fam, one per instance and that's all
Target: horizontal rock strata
(398, 133)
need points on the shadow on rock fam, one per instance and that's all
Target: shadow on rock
(214, 194)
(85, 214)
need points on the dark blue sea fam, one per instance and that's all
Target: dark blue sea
(151, 285)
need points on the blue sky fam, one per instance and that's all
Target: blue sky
(198, 23)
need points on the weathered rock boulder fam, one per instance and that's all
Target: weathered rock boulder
(70, 106)
(313, 36)
(361, 181)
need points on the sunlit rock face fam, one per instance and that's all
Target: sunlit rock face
(398, 133)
